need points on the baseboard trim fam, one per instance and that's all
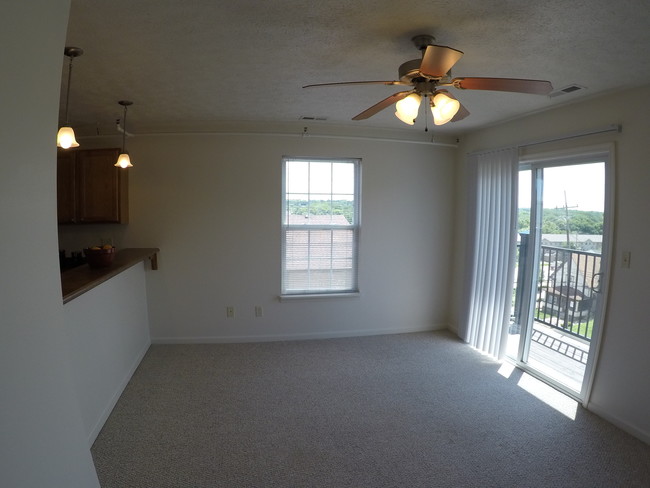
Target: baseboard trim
(293, 336)
(453, 327)
(116, 396)
(618, 422)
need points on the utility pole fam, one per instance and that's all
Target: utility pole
(567, 225)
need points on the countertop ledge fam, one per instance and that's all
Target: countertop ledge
(77, 281)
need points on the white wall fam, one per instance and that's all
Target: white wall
(212, 204)
(41, 435)
(621, 392)
(107, 328)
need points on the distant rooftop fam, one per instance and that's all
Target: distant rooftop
(317, 219)
(573, 238)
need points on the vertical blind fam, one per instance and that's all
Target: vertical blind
(492, 245)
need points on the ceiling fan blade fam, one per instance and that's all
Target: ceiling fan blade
(438, 60)
(535, 87)
(461, 114)
(358, 83)
(386, 102)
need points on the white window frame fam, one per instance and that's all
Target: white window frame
(310, 290)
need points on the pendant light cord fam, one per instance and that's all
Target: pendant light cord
(67, 94)
(124, 131)
(426, 118)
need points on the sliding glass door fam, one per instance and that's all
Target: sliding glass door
(561, 268)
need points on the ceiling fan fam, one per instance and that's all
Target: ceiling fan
(429, 77)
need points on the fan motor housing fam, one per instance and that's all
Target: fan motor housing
(409, 72)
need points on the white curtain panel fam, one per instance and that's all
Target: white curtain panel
(492, 218)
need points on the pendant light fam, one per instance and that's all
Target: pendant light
(65, 137)
(123, 160)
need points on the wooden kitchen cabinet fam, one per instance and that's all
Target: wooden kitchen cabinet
(66, 187)
(90, 189)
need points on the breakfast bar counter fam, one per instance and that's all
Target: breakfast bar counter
(77, 281)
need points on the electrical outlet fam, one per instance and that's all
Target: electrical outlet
(230, 312)
(259, 312)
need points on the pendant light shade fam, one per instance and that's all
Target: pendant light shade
(407, 109)
(443, 107)
(65, 137)
(123, 160)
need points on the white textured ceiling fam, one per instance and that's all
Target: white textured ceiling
(194, 64)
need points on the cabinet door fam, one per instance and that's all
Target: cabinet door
(66, 187)
(102, 186)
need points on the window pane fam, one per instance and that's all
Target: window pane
(320, 177)
(342, 210)
(319, 259)
(297, 177)
(320, 207)
(296, 209)
(343, 178)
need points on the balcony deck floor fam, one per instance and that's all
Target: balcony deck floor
(558, 355)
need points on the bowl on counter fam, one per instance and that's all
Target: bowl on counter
(99, 257)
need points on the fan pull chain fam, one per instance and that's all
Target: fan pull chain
(426, 118)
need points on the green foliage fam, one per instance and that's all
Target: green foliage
(554, 221)
(323, 207)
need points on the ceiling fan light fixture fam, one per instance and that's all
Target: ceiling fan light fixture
(403, 119)
(407, 108)
(443, 107)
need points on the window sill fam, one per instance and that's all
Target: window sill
(318, 296)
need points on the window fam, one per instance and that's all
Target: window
(320, 226)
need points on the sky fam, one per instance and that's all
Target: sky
(584, 185)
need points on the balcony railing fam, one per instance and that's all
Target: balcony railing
(567, 284)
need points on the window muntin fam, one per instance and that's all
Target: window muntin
(320, 226)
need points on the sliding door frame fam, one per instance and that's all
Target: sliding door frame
(536, 163)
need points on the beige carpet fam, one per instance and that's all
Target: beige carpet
(409, 410)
